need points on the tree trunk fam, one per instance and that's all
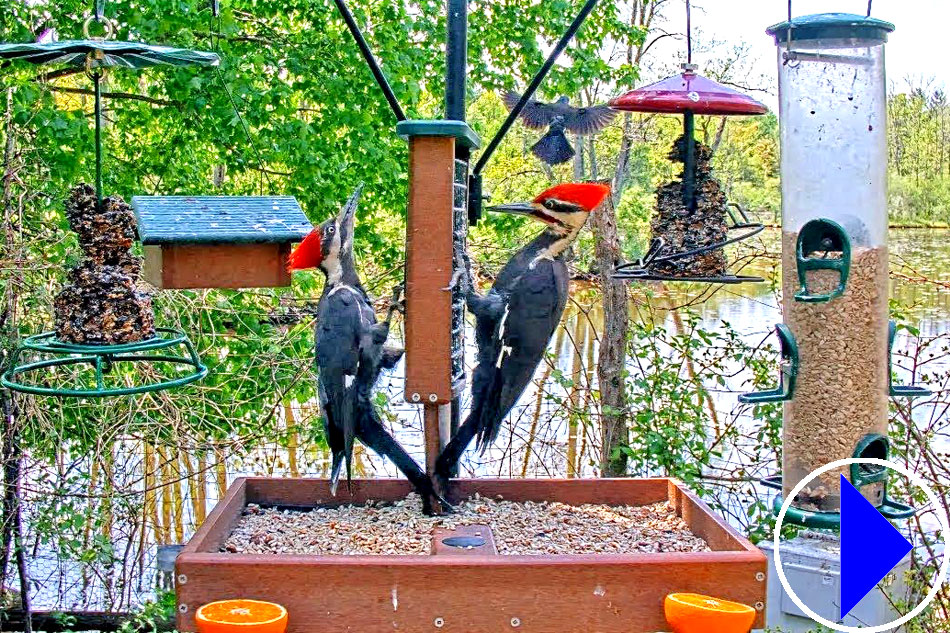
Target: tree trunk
(610, 365)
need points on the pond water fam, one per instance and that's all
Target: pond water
(542, 436)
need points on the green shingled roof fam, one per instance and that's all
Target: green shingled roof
(219, 219)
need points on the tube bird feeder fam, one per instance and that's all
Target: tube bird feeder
(832, 121)
(687, 244)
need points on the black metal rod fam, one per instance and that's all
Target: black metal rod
(370, 60)
(456, 59)
(96, 77)
(689, 161)
(533, 86)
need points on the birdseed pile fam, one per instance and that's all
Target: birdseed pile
(101, 304)
(683, 229)
(527, 528)
(842, 389)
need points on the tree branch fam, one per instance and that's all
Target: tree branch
(116, 95)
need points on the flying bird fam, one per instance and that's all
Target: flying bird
(515, 320)
(553, 148)
(351, 352)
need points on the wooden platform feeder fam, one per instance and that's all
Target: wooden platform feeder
(469, 591)
(218, 241)
(460, 590)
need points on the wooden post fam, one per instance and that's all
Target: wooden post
(429, 260)
(437, 199)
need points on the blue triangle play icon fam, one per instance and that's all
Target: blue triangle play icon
(870, 547)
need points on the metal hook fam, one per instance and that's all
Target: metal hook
(106, 25)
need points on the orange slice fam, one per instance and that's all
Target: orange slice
(246, 616)
(693, 613)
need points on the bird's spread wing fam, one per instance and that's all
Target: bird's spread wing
(589, 120)
(535, 115)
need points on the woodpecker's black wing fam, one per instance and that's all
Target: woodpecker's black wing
(343, 316)
(536, 115)
(588, 120)
(531, 314)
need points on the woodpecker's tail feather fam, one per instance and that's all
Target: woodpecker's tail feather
(341, 402)
(553, 148)
(335, 472)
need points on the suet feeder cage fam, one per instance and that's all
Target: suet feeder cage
(218, 241)
(693, 222)
(541, 593)
(103, 320)
(832, 122)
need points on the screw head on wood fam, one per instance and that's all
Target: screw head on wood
(182, 579)
(415, 397)
(759, 606)
(439, 623)
(760, 577)
(515, 622)
(433, 397)
(183, 608)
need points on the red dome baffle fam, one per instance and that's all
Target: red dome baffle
(688, 92)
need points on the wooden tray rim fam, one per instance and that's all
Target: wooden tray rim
(203, 548)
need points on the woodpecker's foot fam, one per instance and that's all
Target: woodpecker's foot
(436, 505)
(391, 356)
(462, 275)
(397, 302)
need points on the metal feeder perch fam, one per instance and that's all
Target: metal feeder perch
(834, 264)
(96, 55)
(218, 241)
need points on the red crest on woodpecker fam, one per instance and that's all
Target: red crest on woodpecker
(588, 196)
(308, 253)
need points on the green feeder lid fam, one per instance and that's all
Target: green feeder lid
(106, 53)
(464, 135)
(831, 26)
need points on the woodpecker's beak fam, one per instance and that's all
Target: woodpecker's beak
(531, 209)
(347, 217)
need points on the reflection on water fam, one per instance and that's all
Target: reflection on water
(544, 436)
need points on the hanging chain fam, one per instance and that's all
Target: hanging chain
(689, 33)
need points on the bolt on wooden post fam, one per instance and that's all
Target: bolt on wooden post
(435, 230)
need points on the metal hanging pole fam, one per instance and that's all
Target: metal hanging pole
(370, 60)
(689, 125)
(456, 75)
(456, 59)
(96, 77)
(689, 160)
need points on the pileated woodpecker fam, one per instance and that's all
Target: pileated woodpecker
(515, 321)
(351, 352)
